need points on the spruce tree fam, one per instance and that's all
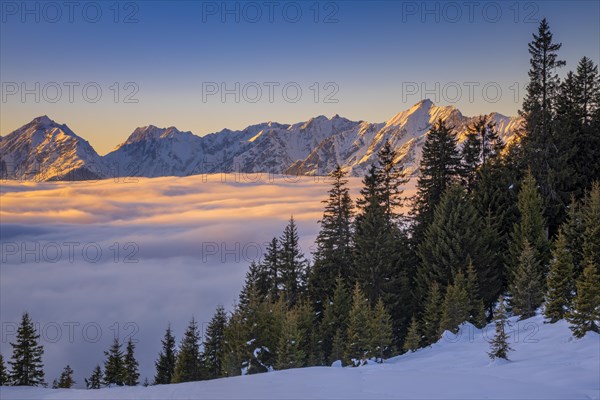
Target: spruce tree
(455, 309)
(440, 166)
(499, 347)
(234, 344)
(381, 332)
(476, 307)
(4, 377)
(585, 316)
(539, 108)
(392, 180)
(526, 288)
(26, 363)
(359, 321)
(214, 344)
(338, 350)
(333, 256)
(293, 265)
(335, 320)
(95, 380)
(560, 281)
(188, 367)
(573, 229)
(531, 228)
(66, 379)
(591, 221)
(373, 250)
(114, 367)
(413, 338)
(454, 236)
(289, 350)
(432, 315)
(165, 364)
(130, 364)
(268, 275)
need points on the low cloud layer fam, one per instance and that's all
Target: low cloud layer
(90, 260)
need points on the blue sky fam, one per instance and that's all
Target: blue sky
(362, 60)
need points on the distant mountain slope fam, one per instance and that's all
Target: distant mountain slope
(305, 148)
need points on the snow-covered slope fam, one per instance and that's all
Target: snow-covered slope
(305, 148)
(547, 363)
(43, 150)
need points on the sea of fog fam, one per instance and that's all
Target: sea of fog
(91, 260)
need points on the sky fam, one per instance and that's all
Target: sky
(105, 68)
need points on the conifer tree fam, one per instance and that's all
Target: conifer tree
(413, 338)
(454, 236)
(591, 221)
(338, 351)
(268, 279)
(476, 308)
(440, 166)
(573, 229)
(359, 323)
(335, 320)
(187, 366)
(499, 347)
(234, 344)
(95, 380)
(392, 179)
(289, 350)
(560, 281)
(373, 250)
(432, 315)
(65, 381)
(540, 143)
(531, 228)
(214, 344)
(165, 365)
(381, 332)
(333, 256)
(132, 375)
(455, 309)
(585, 316)
(146, 382)
(4, 377)
(526, 288)
(26, 363)
(114, 366)
(293, 265)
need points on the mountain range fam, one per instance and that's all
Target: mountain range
(44, 150)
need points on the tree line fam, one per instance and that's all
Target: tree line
(493, 230)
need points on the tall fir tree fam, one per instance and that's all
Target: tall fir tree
(432, 315)
(530, 228)
(4, 377)
(26, 364)
(440, 166)
(165, 364)
(381, 332)
(289, 350)
(95, 380)
(413, 337)
(591, 221)
(359, 321)
(268, 280)
(293, 265)
(476, 308)
(540, 143)
(454, 236)
(214, 344)
(188, 367)
(526, 288)
(499, 347)
(560, 282)
(392, 180)
(65, 381)
(573, 229)
(335, 320)
(234, 344)
(585, 316)
(373, 247)
(333, 256)
(455, 309)
(132, 374)
(114, 366)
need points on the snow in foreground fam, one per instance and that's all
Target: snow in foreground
(547, 364)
